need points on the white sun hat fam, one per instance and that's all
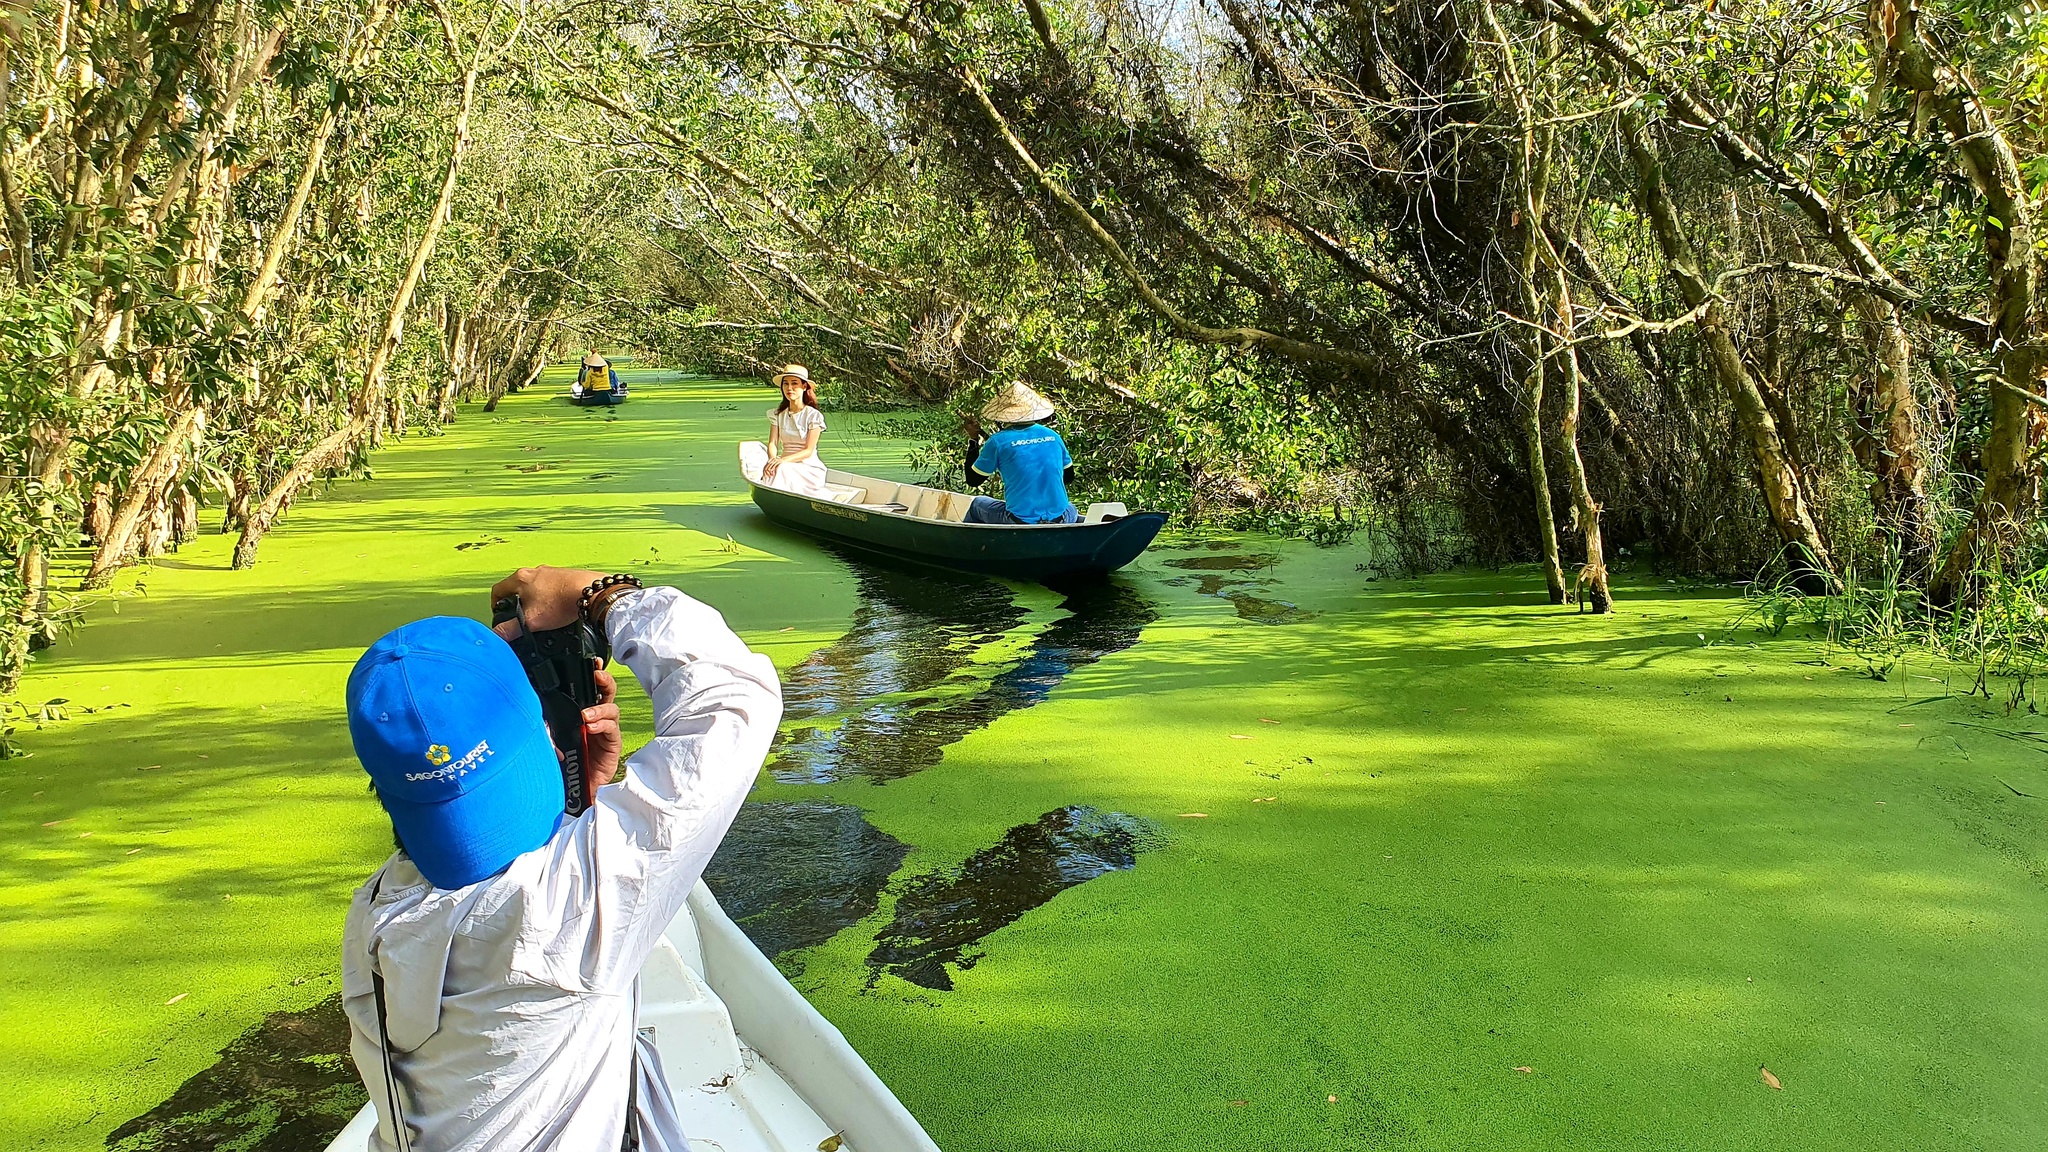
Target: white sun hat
(1017, 404)
(797, 370)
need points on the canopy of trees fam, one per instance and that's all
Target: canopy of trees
(1739, 285)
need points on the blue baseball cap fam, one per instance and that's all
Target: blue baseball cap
(450, 732)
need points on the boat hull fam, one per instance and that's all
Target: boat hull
(1044, 553)
(752, 1066)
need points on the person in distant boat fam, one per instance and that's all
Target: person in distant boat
(793, 430)
(597, 374)
(1030, 457)
(490, 969)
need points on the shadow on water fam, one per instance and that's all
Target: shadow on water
(285, 1085)
(909, 666)
(941, 915)
(791, 874)
(1216, 580)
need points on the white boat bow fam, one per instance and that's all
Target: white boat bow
(753, 1067)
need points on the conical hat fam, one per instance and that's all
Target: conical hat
(1017, 404)
(797, 370)
(594, 360)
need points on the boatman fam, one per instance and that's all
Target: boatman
(1030, 457)
(489, 968)
(597, 374)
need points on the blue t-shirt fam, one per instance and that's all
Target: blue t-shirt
(1031, 461)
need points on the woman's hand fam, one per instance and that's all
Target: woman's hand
(548, 597)
(768, 469)
(970, 424)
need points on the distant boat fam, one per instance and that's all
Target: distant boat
(912, 522)
(751, 1064)
(587, 391)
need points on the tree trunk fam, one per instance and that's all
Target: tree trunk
(184, 515)
(1590, 587)
(240, 489)
(144, 485)
(1887, 440)
(1531, 161)
(334, 448)
(2020, 325)
(51, 455)
(99, 513)
(536, 361)
(1783, 488)
(156, 534)
(1529, 417)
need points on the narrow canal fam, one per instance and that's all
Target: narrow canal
(1248, 848)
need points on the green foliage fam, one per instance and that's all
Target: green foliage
(1882, 621)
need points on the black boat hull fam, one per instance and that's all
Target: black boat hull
(1037, 552)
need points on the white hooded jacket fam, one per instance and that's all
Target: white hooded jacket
(511, 1002)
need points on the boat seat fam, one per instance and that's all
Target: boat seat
(1097, 513)
(691, 1026)
(843, 493)
(953, 506)
(881, 492)
(930, 502)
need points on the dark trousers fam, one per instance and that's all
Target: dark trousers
(989, 510)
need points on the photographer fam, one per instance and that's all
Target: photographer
(489, 967)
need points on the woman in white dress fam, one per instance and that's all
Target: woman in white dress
(793, 430)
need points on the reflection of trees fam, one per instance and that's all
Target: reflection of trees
(941, 914)
(791, 875)
(915, 633)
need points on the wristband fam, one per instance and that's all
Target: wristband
(597, 598)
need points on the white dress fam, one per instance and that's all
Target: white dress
(805, 477)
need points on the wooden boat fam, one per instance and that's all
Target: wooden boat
(751, 1064)
(912, 522)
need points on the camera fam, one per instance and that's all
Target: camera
(561, 664)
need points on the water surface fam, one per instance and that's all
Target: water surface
(925, 663)
(940, 916)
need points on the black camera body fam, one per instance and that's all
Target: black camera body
(561, 664)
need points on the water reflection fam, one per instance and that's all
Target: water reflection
(909, 665)
(1218, 579)
(285, 1085)
(940, 915)
(1225, 563)
(791, 874)
(912, 631)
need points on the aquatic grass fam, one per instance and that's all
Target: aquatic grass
(1877, 618)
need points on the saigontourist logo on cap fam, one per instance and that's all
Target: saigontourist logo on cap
(422, 692)
(445, 770)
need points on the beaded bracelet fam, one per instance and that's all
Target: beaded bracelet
(600, 593)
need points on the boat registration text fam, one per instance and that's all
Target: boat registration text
(839, 510)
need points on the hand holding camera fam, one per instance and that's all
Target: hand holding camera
(554, 620)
